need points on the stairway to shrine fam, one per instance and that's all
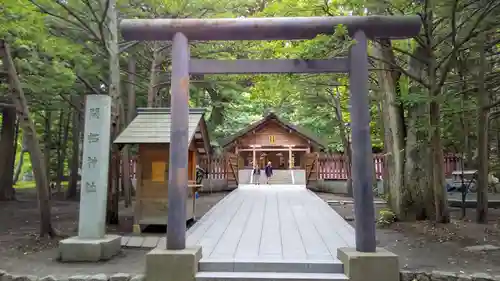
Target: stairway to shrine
(286, 177)
(281, 177)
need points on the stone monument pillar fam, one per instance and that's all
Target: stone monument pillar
(92, 243)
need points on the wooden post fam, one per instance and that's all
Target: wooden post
(362, 167)
(237, 152)
(178, 162)
(253, 156)
(290, 157)
(210, 171)
(138, 191)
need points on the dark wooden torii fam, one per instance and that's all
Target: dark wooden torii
(179, 31)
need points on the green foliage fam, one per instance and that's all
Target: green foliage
(61, 53)
(386, 218)
(64, 46)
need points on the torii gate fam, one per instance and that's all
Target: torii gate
(292, 28)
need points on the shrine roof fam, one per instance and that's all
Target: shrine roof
(303, 132)
(152, 125)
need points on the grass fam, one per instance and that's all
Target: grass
(25, 184)
(31, 184)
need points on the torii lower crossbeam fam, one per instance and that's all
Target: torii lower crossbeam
(335, 65)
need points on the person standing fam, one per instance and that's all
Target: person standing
(256, 175)
(269, 171)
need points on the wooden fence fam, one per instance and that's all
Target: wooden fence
(334, 167)
(330, 167)
(216, 166)
(452, 162)
(133, 167)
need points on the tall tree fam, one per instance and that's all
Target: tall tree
(34, 148)
(8, 148)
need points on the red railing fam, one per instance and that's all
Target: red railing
(330, 167)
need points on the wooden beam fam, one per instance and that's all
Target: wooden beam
(275, 28)
(202, 66)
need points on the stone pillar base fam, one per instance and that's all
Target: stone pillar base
(379, 266)
(172, 265)
(75, 249)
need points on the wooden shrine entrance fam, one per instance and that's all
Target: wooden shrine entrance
(274, 140)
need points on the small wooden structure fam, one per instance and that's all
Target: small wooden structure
(150, 130)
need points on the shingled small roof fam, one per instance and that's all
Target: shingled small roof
(272, 116)
(152, 125)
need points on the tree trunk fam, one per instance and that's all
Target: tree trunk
(436, 150)
(415, 172)
(393, 125)
(131, 91)
(76, 129)
(436, 172)
(13, 159)
(153, 75)
(381, 127)
(60, 128)
(440, 196)
(63, 151)
(47, 144)
(8, 152)
(37, 162)
(482, 135)
(112, 214)
(116, 105)
(20, 163)
(126, 176)
(344, 137)
(464, 121)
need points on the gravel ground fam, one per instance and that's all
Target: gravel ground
(428, 246)
(22, 252)
(420, 245)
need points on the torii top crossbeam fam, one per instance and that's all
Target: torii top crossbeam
(284, 28)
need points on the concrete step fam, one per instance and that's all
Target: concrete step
(271, 266)
(244, 176)
(268, 276)
(299, 176)
(281, 177)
